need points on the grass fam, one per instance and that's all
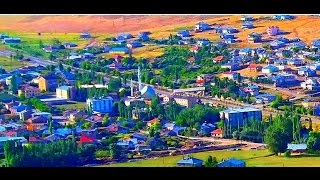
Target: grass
(9, 64)
(253, 158)
(78, 105)
(148, 51)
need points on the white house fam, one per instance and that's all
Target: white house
(100, 105)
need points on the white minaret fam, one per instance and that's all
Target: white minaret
(131, 86)
(139, 79)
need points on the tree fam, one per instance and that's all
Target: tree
(68, 69)
(50, 125)
(310, 124)
(277, 139)
(41, 44)
(139, 125)
(105, 119)
(13, 85)
(211, 162)
(151, 132)
(313, 142)
(115, 151)
(114, 84)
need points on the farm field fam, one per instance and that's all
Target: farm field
(253, 158)
(9, 64)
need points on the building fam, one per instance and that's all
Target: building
(316, 43)
(218, 133)
(232, 66)
(238, 116)
(232, 162)
(134, 44)
(153, 122)
(202, 26)
(206, 129)
(148, 92)
(297, 148)
(85, 35)
(273, 30)
(246, 18)
(19, 80)
(254, 67)
(247, 25)
(100, 105)
(265, 98)
(144, 36)
(245, 52)
(314, 66)
(230, 75)
(120, 50)
(295, 62)
(304, 71)
(203, 42)
(48, 82)
(183, 33)
(311, 84)
(269, 69)
(65, 92)
(285, 80)
(5, 139)
(124, 36)
(11, 40)
(190, 162)
(29, 91)
(186, 101)
(253, 90)
(277, 44)
(309, 103)
(283, 17)
(254, 38)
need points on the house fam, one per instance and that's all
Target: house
(283, 39)
(307, 103)
(277, 44)
(285, 80)
(247, 25)
(19, 80)
(48, 82)
(120, 50)
(298, 45)
(70, 45)
(218, 133)
(232, 66)
(2, 36)
(230, 41)
(139, 137)
(311, 84)
(144, 36)
(206, 129)
(220, 45)
(52, 138)
(237, 116)
(297, 148)
(283, 17)
(254, 67)
(202, 26)
(269, 69)
(116, 128)
(304, 71)
(124, 36)
(228, 30)
(190, 162)
(295, 62)
(11, 40)
(316, 43)
(153, 122)
(314, 66)
(88, 56)
(134, 44)
(235, 52)
(253, 90)
(63, 132)
(230, 75)
(49, 49)
(69, 77)
(3, 140)
(183, 33)
(65, 92)
(100, 105)
(85, 35)
(87, 139)
(245, 52)
(36, 123)
(218, 59)
(75, 57)
(232, 162)
(265, 98)
(29, 91)
(227, 36)
(203, 42)
(191, 59)
(254, 38)
(15, 110)
(120, 42)
(273, 30)
(246, 18)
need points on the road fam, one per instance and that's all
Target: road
(164, 91)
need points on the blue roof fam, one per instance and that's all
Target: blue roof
(21, 108)
(69, 75)
(190, 161)
(246, 50)
(4, 139)
(297, 146)
(235, 161)
(63, 131)
(252, 86)
(265, 95)
(139, 136)
(298, 44)
(2, 129)
(282, 39)
(120, 49)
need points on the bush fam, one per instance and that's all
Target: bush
(102, 154)
(287, 154)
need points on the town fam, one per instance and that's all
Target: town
(185, 100)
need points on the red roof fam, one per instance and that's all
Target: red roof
(218, 58)
(117, 56)
(86, 139)
(33, 139)
(153, 121)
(97, 118)
(10, 133)
(113, 128)
(228, 72)
(195, 48)
(217, 131)
(253, 65)
(191, 59)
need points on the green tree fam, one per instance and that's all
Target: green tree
(211, 162)
(50, 125)
(105, 119)
(313, 142)
(41, 44)
(60, 66)
(115, 151)
(277, 139)
(13, 85)
(114, 84)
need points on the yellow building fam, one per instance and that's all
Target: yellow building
(309, 104)
(65, 92)
(47, 83)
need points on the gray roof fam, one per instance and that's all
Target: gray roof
(297, 146)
